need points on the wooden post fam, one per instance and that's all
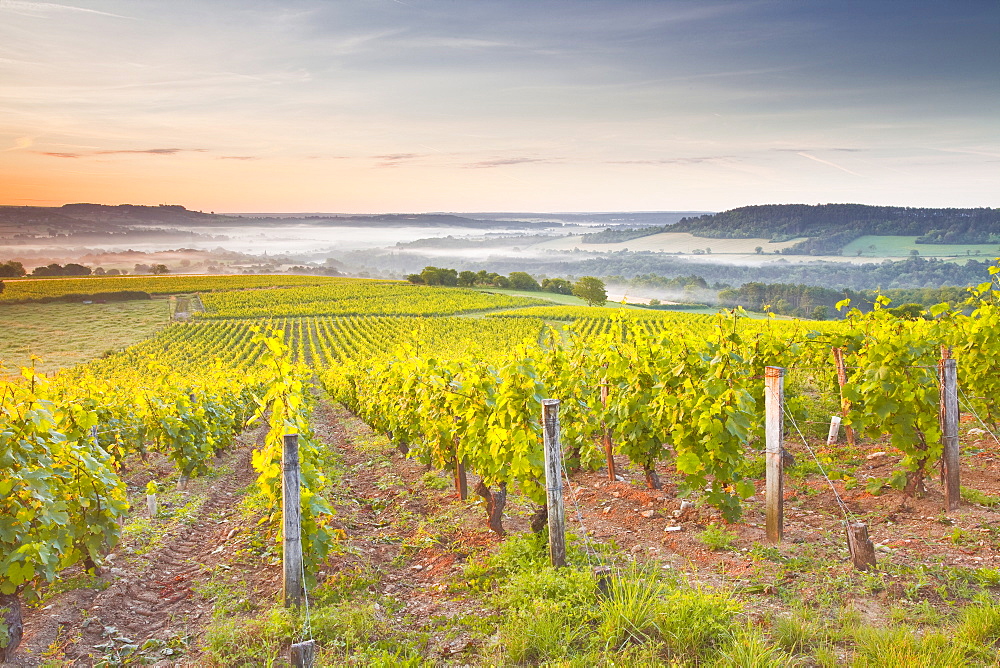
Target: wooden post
(606, 437)
(553, 482)
(949, 433)
(774, 402)
(291, 522)
(845, 405)
(834, 434)
(860, 546)
(151, 504)
(303, 654)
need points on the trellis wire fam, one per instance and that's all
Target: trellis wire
(972, 410)
(846, 511)
(579, 516)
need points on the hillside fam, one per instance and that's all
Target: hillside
(832, 226)
(76, 218)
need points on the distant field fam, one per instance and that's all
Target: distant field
(882, 246)
(67, 334)
(672, 242)
(26, 289)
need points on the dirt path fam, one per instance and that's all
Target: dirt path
(147, 602)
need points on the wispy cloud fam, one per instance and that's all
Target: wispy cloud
(154, 151)
(809, 150)
(827, 162)
(45, 8)
(396, 159)
(239, 157)
(989, 154)
(503, 162)
(672, 161)
(143, 151)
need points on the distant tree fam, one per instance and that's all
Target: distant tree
(821, 312)
(502, 282)
(591, 290)
(466, 278)
(654, 302)
(74, 269)
(48, 270)
(99, 271)
(559, 286)
(520, 280)
(439, 276)
(113, 272)
(12, 269)
(416, 279)
(159, 269)
(1, 286)
(141, 269)
(758, 250)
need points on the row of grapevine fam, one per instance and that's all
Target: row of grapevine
(356, 297)
(692, 395)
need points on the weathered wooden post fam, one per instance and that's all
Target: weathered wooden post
(860, 546)
(774, 400)
(553, 482)
(303, 654)
(606, 437)
(291, 522)
(949, 432)
(845, 405)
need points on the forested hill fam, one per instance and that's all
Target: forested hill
(832, 226)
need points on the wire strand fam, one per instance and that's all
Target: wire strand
(972, 410)
(848, 515)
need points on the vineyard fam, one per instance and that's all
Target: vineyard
(397, 391)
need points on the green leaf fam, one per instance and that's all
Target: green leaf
(688, 463)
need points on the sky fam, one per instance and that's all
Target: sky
(365, 106)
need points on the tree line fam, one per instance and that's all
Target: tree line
(587, 288)
(14, 269)
(810, 301)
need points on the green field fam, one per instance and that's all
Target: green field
(66, 334)
(881, 246)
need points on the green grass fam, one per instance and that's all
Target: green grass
(568, 300)
(885, 246)
(970, 495)
(66, 334)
